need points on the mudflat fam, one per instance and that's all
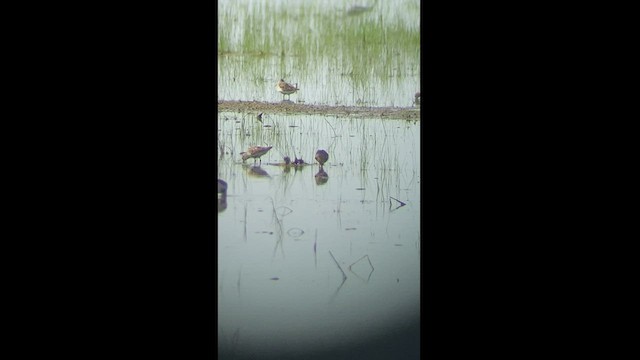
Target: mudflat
(289, 107)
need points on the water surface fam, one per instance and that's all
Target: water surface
(285, 239)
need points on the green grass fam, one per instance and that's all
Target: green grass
(356, 44)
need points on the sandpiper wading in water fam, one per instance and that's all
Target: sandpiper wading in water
(321, 157)
(255, 152)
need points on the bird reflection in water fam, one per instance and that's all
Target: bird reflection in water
(257, 171)
(287, 164)
(321, 176)
(222, 195)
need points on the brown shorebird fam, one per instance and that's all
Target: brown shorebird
(322, 157)
(255, 152)
(285, 88)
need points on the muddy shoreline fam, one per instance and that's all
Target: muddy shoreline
(286, 107)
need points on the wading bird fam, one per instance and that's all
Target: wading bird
(222, 195)
(360, 9)
(285, 88)
(321, 157)
(222, 186)
(417, 98)
(255, 152)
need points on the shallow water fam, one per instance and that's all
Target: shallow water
(283, 233)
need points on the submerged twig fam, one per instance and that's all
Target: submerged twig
(245, 222)
(365, 256)
(344, 276)
(334, 131)
(398, 207)
(315, 252)
(279, 230)
(238, 282)
(333, 297)
(370, 264)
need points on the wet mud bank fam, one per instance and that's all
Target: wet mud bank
(286, 107)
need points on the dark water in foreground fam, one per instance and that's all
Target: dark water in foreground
(308, 268)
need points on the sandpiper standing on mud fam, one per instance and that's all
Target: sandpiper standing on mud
(285, 88)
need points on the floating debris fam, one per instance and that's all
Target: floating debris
(355, 272)
(401, 203)
(283, 211)
(399, 206)
(295, 232)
